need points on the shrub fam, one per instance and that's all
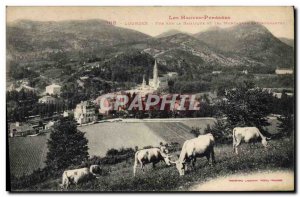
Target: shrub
(195, 131)
(221, 132)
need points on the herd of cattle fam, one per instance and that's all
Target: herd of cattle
(202, 146)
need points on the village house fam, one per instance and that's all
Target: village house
(245, 72)
(47, 100)
(215, 72)
(24, 86)
(49, 125)
(20, 129)
(53, 89)
(284, 71)
(67, 113)
(172, 74)
(85, 112)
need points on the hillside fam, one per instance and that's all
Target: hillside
(64, 51)
(169, 33)
(250, 40)
(287, 41)
(40, 39)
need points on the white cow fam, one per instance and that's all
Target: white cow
(150, 155)
(247, 134)
(203, 146)
(77, 175)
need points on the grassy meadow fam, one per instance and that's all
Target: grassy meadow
(119, 177)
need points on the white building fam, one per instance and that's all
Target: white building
(172, 74)
(283, 71)
(85, 112)
(53, 89)
(20, 129)
(245, 72)
(47, 100)
(49, 125)
(215, 72)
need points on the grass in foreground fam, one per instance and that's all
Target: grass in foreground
(280, 155)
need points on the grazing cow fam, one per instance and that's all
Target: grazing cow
(77, 175)
(247, 134)
(150, 155)
(203, 146)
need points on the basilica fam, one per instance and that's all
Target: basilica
(153, 86)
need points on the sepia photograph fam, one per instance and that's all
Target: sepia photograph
(150, 99)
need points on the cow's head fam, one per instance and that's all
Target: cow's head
(167, 160)
(180, 166)
(164, 148)
(264, 141)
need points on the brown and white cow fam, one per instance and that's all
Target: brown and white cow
(202, 146)
(247, 134)
(78, 175)
(150, 155)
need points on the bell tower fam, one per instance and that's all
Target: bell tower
(155, 76)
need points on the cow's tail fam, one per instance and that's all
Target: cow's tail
(135, 163)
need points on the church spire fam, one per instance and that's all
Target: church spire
(155, 75)
(144, 82)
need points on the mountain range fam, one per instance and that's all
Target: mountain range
(241, 45)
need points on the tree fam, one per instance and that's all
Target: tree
(195, 131)
(67, 146)
(286, 126)
(220, 131)
(247, 106)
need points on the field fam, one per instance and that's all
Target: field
(26, 154)
(200, 124)
(254, 159)
(171, 131)
(105, 136)
(29, 153)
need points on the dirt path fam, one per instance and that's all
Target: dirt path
(258, 181)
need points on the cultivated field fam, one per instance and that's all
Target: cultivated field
(253, 159)
(105, 136)
(201, 123)
(27, 154)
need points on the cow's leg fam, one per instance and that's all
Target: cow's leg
(193, 163)
(233, 145)
(207, 157)
(153, 165)
(142, 167)
(213, 161)
(236, 146)
(134, 168)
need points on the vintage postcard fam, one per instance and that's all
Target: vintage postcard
(150, 99)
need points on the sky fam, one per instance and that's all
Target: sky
(156, 20)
